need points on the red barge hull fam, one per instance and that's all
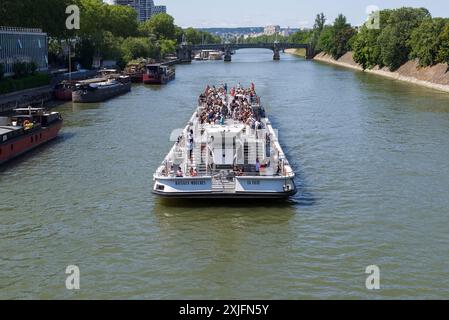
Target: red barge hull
(158, 74)
(28, 141)
(151, 80)
(63, 94)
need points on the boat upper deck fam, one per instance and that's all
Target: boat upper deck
(228, 149)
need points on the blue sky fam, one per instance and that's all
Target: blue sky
(293, 13)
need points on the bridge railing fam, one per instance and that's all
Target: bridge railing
(280, 45)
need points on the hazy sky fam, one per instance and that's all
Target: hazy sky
(293, 13)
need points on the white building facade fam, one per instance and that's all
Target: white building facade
(271, 30)
(23, 45)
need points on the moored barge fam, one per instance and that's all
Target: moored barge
(63, 90)
(28, 129)
(100, 90)
(229, 149)
(135, 71)
(158, 74)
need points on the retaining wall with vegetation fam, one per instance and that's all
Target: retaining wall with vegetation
(435, 77)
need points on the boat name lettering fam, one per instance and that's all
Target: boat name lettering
(192, 183)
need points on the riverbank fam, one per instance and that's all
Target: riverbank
(297, 52)
(434, 77)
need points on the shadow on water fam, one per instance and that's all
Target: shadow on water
(65, 136)
(225, 203)
(35, 153)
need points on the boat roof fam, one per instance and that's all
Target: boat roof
(29, 110)
(40, 111)
(156, 65)
(8, 129)
(25, 116)
(94, 80)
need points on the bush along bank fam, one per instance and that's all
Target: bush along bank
(8, 85)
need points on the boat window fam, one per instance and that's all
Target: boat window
(32, 140)
(0, 151)
(160, 188)
(40, 136)
(12, 147)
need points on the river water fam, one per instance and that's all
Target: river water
(372, 158)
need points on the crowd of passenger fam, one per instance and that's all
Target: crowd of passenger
(217, 105)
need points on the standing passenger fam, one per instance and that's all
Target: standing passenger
(190, 150)
(257, 165)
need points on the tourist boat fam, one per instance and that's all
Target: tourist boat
(158, 74)
(98, 90)
(230, 159)
(215, 55)
(29, 128)
(202, 55)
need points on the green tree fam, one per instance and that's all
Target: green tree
(341, 34)
(366, 50)
(325, 41)
(320, 22)
(109, 46)
(48, 15)
(426, 41)
(443, 50)
(193, 36)
(85, 52)
(161, 25)
(167, 47)
(134, 48)
(394, 38)
(121, 21)
(301, 36)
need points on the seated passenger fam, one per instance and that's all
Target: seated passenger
(179, 173)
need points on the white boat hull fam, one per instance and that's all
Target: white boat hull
(245, 187)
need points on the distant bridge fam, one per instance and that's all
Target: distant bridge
(185, 51)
